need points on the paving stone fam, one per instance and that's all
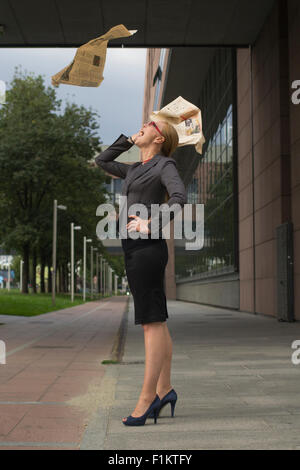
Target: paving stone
(53, 373)
(237, 387)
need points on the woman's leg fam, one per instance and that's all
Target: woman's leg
(155, 352)
(164, 382)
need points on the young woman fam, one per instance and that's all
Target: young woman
(149, 182)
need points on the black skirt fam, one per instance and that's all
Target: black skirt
(145, 263)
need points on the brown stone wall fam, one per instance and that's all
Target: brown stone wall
(294, 74)
(267, 152)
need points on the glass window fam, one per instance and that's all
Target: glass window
(212, 182)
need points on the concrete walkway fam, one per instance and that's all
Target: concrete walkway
(50, 386)
(237, 386)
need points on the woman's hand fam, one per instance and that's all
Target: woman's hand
(134, 136)
(137, 225)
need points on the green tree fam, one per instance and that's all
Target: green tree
(45, 154)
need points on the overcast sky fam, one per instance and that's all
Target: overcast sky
(119, 98)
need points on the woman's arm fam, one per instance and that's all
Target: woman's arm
(170, 178)
(105, 158)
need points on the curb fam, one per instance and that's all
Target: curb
(96, 431)
(118, 346)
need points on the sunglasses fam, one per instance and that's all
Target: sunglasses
(152, 123)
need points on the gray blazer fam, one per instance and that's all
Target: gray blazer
(146, 184)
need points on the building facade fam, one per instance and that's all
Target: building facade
(248, 177)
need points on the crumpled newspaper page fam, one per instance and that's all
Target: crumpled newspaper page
(187, 120)
(87, 67)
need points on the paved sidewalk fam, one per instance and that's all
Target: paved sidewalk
(50, 384)
(237, 387)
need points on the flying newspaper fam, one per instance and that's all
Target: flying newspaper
(87, 67)
(187, 120)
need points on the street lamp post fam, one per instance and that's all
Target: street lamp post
(116, 284)
(85, 241)
(101, 273)
(92, 270)
(106, 277)
(72, 258)
(104, 280)
(21, 274)
(54, 242)
(110, 280)
(8, 279)
(97, 273)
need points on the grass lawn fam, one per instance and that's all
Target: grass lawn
(15, 303)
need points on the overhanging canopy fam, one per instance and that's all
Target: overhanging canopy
(160, 23)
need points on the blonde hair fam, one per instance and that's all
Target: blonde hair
(171, 139)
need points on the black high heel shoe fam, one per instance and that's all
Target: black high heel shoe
(170, 397)
(140, 420)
